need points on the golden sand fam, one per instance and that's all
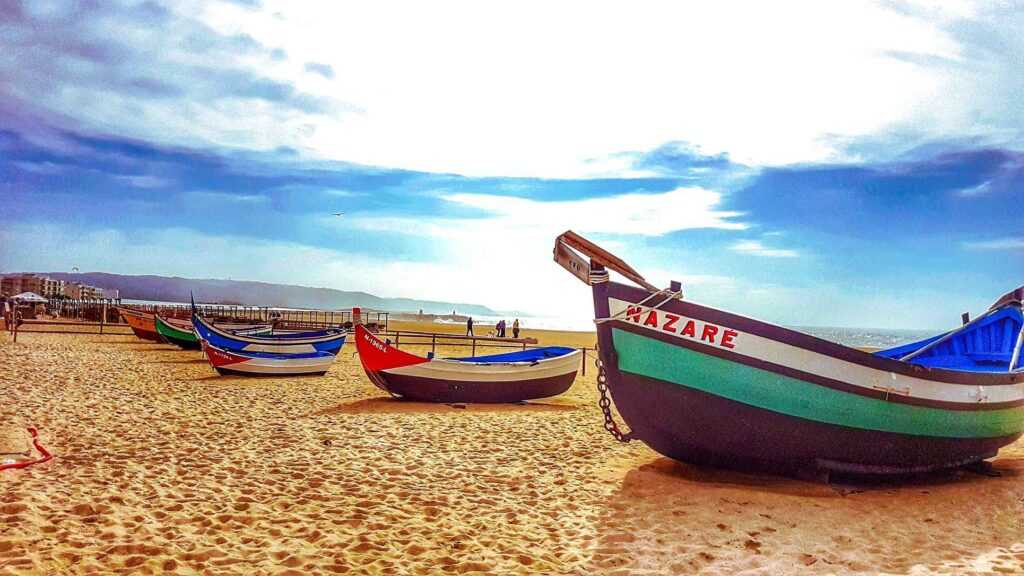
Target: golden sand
(165, 467)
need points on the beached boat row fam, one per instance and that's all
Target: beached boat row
(256, 349)
(700, 384)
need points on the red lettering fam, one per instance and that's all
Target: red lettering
(633, 313)
(727, 337)
(709, 333)
(689, 330)
(652, 319)
(672, 319)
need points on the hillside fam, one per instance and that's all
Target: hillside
(175, 289)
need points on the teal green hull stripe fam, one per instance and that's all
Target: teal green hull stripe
(800, 399)
(173, 332)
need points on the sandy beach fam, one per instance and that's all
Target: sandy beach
(164, 467)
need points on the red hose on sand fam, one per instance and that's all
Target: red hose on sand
(26, 464)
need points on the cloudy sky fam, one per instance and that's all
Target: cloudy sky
(806, 163)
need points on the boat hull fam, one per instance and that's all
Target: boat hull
(176, 335)
(143, 324)
(698, 401)
(488, 379)
(285, 344)
(229, 362)
(423, 389)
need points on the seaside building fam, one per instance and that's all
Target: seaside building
(77, 291)
(44, 286)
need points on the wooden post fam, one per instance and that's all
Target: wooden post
(103, 318)
(584, 361)
(398, 335)
(433, 343)
(474, 346)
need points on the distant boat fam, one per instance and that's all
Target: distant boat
(513, 377)
(173, 333)
(706, 386)
(143, 324)
(329, 341)
(267, 363)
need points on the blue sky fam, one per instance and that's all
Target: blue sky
(864, 171)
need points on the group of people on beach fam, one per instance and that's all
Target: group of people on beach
(499, 328)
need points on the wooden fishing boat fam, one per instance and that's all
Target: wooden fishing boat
(180, 333)
(175, 334)
(267, 363)
(525, 375)
(329, 341)
(143, 324)
(703, 385)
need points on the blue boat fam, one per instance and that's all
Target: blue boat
(989, 343)
(329, 341)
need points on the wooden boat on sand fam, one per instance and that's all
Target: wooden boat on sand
(329, 341)
(143, 324)
(525, 375)
(703, 385)
(267, 363)
(180, 333)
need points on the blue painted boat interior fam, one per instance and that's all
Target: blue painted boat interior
(986, 346)
(531, 355)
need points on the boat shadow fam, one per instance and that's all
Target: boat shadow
(387, 405)
(691, 519)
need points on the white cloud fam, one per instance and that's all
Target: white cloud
(756, 248)
(547, 89)
(1010, 243)
(979, 190)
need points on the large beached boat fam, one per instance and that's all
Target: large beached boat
(513, 377)
(702, 385)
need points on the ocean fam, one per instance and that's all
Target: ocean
(873, 337)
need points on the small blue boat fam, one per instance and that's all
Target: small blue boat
(989, 343)
(329, 341)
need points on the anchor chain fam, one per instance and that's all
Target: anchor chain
(606, 406)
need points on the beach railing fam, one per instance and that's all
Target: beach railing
(447, 339)
(285, 318)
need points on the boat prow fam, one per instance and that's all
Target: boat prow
(515, 377)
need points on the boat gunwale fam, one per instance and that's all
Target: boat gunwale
(812, 343)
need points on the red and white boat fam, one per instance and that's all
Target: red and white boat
(524, 375)
(267, 363)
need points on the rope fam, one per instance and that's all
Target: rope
(35, 442)
(670, 295)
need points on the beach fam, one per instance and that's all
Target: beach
(164, 467)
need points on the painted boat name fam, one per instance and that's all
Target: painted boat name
(666, 322)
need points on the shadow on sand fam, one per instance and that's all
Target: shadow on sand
(384, 405)
(687, 519)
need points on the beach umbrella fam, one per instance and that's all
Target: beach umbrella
(29, 297)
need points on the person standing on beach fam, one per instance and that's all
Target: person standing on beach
(515, 328)
(469, 326)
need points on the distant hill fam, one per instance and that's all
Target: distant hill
(175, 289)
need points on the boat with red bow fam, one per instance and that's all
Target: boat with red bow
(512, 377)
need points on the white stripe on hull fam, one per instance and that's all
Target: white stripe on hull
(442, 369)
(274, 366)
(797, 358)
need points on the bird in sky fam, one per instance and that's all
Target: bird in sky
(339, 213)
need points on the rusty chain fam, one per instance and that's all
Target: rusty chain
(606, 406)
